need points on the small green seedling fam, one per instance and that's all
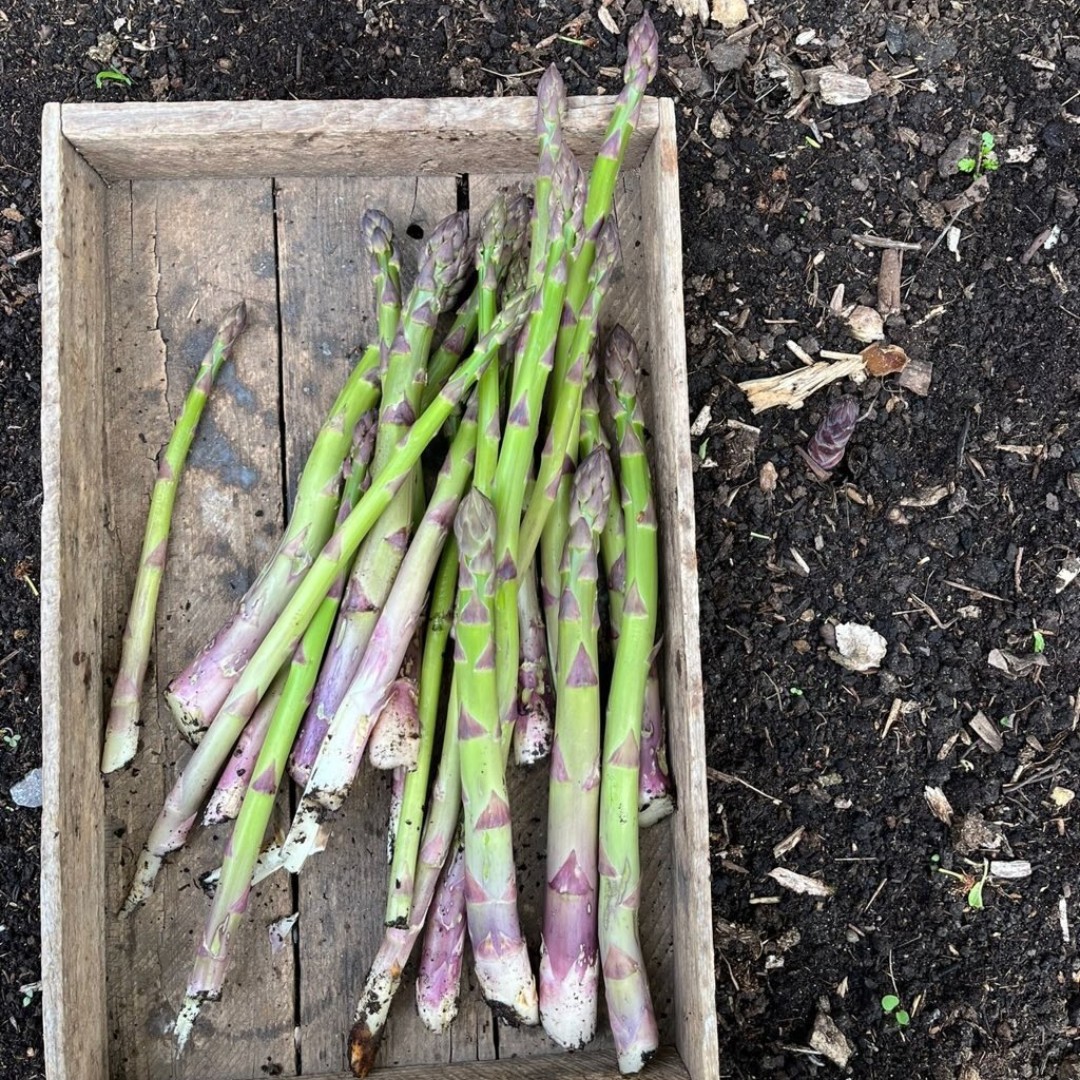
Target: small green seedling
(1038, 642)
(703, 449)
(10, 738)
(986, 160)
(970, 886)
(795, 691)
(110, 75)
(890, 1006)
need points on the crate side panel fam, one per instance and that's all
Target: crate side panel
(695, 982)
(627, 303)
(328, 308)
(436, 136)
(74, 334)
(181, 254)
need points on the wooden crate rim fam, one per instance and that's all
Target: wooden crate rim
(85, 145)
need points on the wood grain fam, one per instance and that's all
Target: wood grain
(695, 981)
(588, 1065)
(439, 136)
(74, 316)
(168, 293)
(327, 308)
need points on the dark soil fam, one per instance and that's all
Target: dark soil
(796, 741)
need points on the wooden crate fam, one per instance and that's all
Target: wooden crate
(156, 219)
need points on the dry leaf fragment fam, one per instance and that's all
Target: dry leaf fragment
(607, 21)
(800, 883)
(882, 360)
(281, 932)
(767, 478)
(1010, 869)
(1067, 573)
(926, 497)
(1016, 667)
(704, 418)
(858, 647)
(939, 805)
(986, 730)
(730, 13)
(1062, 796)
(864, 322)
(789, 843)
(829, 1041)
(839, 88)
(916, 377)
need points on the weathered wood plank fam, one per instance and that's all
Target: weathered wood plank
(327, 308)
(175, 270)
(695, 982)
(74, 305)
(439, 136)
(588, 1065)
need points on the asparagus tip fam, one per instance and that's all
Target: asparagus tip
(643, 48)
(233, 325)
(551, 98)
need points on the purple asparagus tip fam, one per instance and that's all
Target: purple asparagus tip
(378, 232)
(550, 99)
(474, 527)
(826, 448)
(621, 362)
(233, 325)
(593, 484)
(643, 49)
(518, 217)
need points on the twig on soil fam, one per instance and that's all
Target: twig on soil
(792, 388)
(884, 242)
(1063, 919)
(979, 594)
(727, 778)
(877, 893)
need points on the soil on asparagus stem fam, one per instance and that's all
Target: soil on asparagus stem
(770, 201)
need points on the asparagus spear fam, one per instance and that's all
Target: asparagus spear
(500, 955)
(377, 563)
(448, 355)
(122, 728)
(550, 105)
(182, 803)
(411, 819)
(488, 259)
(397, 794)
(569, 969)
(439, 975)
(515, 457)
(533, 728)
(626, 988)
(440, 831)
(198, 692)
(242, 850)
(641, 64)
(656, 794)
(395, 735)
(228, 793)
(225, 802)
(347, 736)
(561, 447)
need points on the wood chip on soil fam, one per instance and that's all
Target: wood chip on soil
(800, 883)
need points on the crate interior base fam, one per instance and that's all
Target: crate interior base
(179, 253)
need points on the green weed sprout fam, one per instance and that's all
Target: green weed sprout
(986, 160)
(110, 75)
(890, 1006)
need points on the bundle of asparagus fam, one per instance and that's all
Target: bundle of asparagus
(338, 649)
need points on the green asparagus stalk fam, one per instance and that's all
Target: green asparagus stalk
(411, 818)
(642, 60)
(350, 727)
(656, 792)
(122, 728)
(550, 106)
(515, 457)
(561, 446)
(242, 850)
(533, 727)
(626, 987)
(448, 355)
(499, 951)
(182, 803)
(197, 693)
(489, 256)
(440, 832)
(377, 563)
(569, 967)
